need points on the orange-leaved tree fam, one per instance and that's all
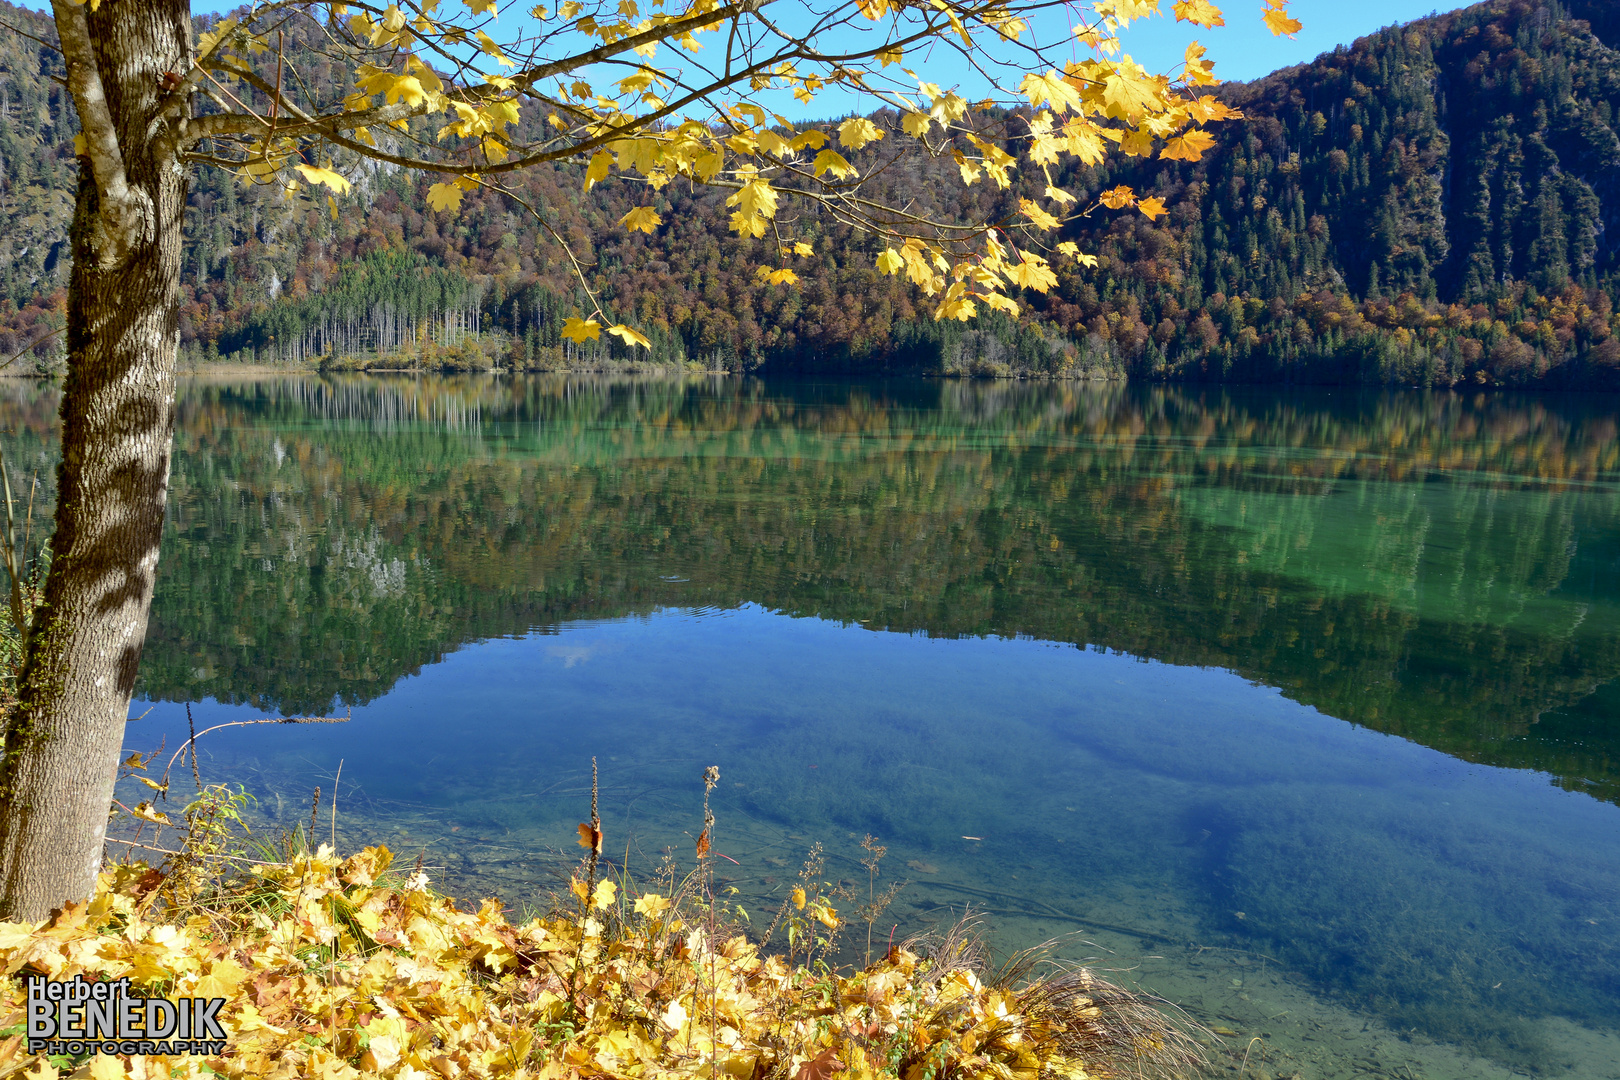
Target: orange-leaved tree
(670, 91)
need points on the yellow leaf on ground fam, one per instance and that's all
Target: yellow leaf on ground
(651, 905)
(221, 981)
(106, 1067)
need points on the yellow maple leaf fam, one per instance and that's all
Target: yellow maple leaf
(1051, 89)
(607, 891)
(1130, 92)
(145, 812)
(1117, 198)
(644, 218)
(756, 198)
(106, 1067)
(784, 276)
(802, 248)
(832, 161)
(857, 131)
(1206, 109)
(1188, 147)
(1153, 208)
(221, 981)
(597, 170)
(1032, 273)
(1137, 143)
(1038, 217)
(1198, 12)
(335, 181)
(1059, 195)
(1085, 141)
(1125, 11)
(651, 905)
(577, 329)
(797, 897)
(1278, 21)
(826, 916)
(490, 48)
(629, 337)
(444, 197)
(999, 302)
(478, 7)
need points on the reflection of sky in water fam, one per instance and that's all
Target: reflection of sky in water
(1185, 803)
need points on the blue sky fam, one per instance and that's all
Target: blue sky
(1242, 50)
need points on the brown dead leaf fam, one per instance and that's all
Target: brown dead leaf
(820, 1067)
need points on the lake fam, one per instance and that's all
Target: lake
(1298, 707)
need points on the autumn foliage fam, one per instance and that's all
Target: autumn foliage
(335, 968)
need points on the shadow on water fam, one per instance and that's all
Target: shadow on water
(1162, 666)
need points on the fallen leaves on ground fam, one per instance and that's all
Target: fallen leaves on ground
(334, 969)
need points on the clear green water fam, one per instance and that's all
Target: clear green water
(1300, 708)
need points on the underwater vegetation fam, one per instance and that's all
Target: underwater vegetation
(348, 969)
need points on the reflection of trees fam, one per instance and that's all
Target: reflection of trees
(328, 537)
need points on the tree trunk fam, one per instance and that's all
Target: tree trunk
(62, 743)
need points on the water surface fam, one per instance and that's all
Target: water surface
(1304, 705)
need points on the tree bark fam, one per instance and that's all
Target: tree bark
(62, 743)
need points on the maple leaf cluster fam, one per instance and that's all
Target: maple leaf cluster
(662, 122)
(333, 968)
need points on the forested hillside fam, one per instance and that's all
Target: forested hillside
(1436, 204)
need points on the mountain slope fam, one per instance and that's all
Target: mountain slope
(1438, 203)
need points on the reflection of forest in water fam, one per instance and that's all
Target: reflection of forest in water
(1437, 566)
